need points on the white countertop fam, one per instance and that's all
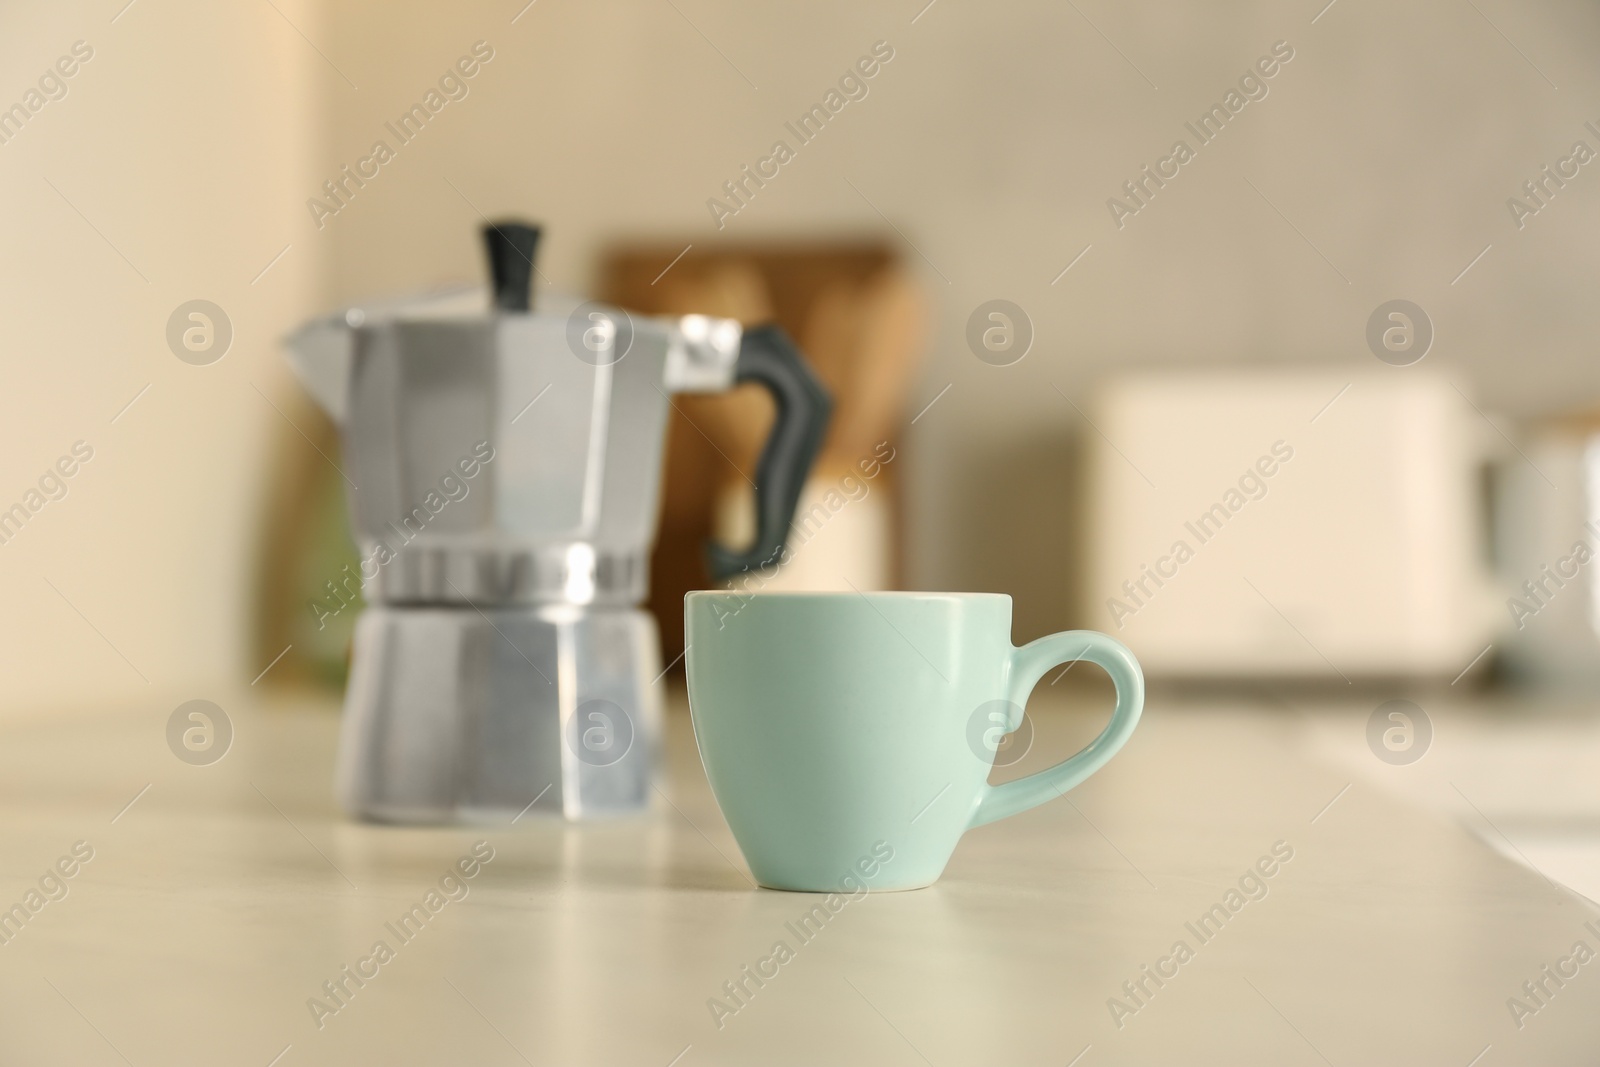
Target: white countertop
(219, 902)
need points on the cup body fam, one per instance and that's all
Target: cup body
(844, 733)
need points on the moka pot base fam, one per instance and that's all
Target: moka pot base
(453, 714)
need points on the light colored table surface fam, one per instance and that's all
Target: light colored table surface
(223, 898)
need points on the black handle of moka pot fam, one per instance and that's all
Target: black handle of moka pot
(766, 355)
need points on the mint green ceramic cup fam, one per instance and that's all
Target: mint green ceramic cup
(849, 738)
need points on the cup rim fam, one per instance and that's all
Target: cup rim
(809, 594)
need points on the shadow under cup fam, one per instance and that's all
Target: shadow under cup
(848, 738)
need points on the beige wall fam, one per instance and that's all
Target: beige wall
(176, 142)
(992, 140)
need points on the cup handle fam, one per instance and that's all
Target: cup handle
(1028, 664)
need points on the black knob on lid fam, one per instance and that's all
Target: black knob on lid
(511, 246)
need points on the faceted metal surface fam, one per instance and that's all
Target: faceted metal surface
(503, 491)
(453, 715)
(488, 463)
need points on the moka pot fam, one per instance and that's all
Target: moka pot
(503, 469)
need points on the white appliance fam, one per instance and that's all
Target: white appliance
(1323, 524)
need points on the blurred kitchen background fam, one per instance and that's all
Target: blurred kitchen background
(1070, 388)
